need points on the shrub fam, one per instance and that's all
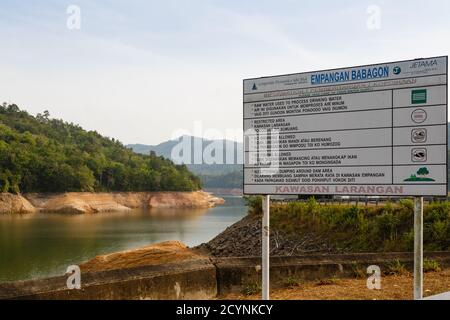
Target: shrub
(251, 289)
(382, 228)
(430, 265)
(358, 270)
(254, 204)
(292, 282)
(396, 267)
(407, 204)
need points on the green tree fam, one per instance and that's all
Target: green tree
(423, 171)
(40, 154)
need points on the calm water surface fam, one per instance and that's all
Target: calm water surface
(43, 244)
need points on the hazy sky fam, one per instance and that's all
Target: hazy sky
(140, 70)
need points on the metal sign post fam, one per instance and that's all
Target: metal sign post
(265, 247)
(418, 248)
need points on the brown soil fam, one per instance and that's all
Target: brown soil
(394, 287)
(160, 253)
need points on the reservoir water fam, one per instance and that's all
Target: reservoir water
(44, 244)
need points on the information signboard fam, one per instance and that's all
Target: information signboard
(367, 130)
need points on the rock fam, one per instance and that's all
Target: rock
(197, 199)
(15, 203)
(80, 202)
(89, 202)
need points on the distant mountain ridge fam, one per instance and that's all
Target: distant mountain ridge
(199, 161)
(224, 173)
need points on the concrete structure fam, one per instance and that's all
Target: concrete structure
(442, 296)
(203, 278)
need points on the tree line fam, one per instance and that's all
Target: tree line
(41, 154)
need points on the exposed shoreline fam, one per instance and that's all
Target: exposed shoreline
(87, 202)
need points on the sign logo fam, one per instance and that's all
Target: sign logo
(419, 155)
(418, 116)
(254, 87)
(420, 175)
(419, 135)
(419, 96)
(397, 70)
(424, 64)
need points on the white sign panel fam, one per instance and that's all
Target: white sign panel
(368, 130)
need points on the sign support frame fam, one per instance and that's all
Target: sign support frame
(265, 247)
(418, 248)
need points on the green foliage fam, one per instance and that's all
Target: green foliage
(407, 204)
(39, 154)
(361, 228)
(430, 265)
(251, 289)
(254, 204)
(396, 267)
(292, 282)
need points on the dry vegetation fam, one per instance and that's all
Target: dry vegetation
(393, 287)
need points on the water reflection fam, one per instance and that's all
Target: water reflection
(182, 214)
(44, 244)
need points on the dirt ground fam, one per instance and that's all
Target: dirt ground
(158, 253)
(393, 287)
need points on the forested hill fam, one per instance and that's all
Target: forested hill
(40, 154)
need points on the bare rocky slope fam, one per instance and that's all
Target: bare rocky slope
(85, 202)
(15, 203)
(244, 239)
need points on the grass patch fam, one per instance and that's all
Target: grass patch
(359, 228)
(396, 267)
(430, 265)
(292, 282)
(251, 289)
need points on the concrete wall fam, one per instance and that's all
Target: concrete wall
(188, 280)
(203, 278)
